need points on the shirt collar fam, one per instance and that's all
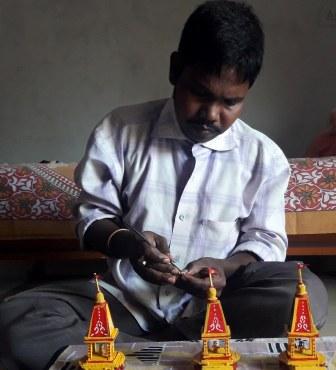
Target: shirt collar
(223, 142)
(168, 128)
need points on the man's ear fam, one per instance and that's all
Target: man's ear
(176, 67)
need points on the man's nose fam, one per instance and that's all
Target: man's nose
(211, 112)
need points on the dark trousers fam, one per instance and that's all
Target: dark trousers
(37, 323)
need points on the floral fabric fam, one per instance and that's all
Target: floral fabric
(35, 192)
(38, 192)
(312, 185)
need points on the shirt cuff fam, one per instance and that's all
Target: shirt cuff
(262, 251)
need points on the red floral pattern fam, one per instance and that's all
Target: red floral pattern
(312, 185)
(65, 205)
(308, 196)
(328, 179)
(23, 204)
(45, 189)
(35, 192)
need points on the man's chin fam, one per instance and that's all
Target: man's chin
(202, 137)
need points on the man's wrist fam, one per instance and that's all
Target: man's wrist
(109, 241)
(122, 243)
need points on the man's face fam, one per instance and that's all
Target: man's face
(207, 105)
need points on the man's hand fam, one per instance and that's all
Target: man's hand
(149, 255)
(155, 252)
(153, 264)
(196, 278)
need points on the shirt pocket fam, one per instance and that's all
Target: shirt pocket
(220, 234)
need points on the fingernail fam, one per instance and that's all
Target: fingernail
(172, 280)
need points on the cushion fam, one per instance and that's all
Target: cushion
(310, 199)
(36, 202)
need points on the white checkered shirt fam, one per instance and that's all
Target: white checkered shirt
(211, 199)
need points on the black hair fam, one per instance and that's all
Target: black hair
(223, 34)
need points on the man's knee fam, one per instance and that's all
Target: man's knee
(10, 343)
(34, 328)
(265, 292)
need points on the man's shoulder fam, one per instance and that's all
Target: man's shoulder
(248, 134)
(130, 121)
(257, 141)
(139, 112)
(128, 118)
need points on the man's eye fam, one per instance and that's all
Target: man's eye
(231, 103)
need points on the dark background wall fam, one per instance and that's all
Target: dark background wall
(66, 63)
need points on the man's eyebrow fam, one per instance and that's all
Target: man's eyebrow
(204, 90)
(233, 100)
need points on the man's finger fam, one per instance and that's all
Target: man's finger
(198, 283)
(193, 286)
(162, 245)
(157, 277)
(163, 267)
(153, 254)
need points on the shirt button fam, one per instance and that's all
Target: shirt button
(181, 217)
